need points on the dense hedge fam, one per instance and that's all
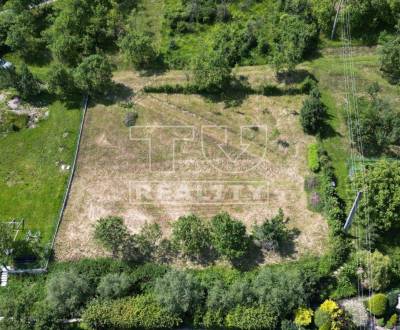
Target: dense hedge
(141, 312)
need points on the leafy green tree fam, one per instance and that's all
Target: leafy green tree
(211, 71)
(379, 208)
(377, 270)
(272, 233)
(138, 49)
(292, 39)
(324, 11)
(390, 58)
(61, 81)
(191, 236)
(111, 232)
(66, 293)
(312, 113)
(8, 78)
(114, 286)
(27, 84)
(93, 75)
(260, 317)
(179, 292)
(229, 236)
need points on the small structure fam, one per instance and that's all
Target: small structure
(398, 303)
(4, 276)
(353, 211)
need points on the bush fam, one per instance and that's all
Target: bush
(260, 317)
(141, 312)
(179, 292)
(321, 318)
(390, 59)
(303, 317)
(228, 236)
(130, 119)
(12, 122)
(312, 113)
(392, 322)
(377, 304)
(27, 84)
(66, 293)
(114, 286)
(191, 236)
(313, 157)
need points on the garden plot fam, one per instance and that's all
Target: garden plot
(205, 157)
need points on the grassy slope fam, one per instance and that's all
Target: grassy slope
(31, 184)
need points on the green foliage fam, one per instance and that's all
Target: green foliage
(312, 113)
(377, 304)
(261, 317)
(93, 75)
(114, 286)
(140, 312)
(6, 243)
(228, 236)
(392, 322)
(272, 233)
(390, 59)
(60, 81)
(179, 292)
(303, 317)
(321, 318)
(27, 84)
(292, 39)
(382, 203)
(211, 71)
(8, 78)
(111, 232)
(313, 157)
(67, 292)
(191, 236)
(138, 49)
(12, 122)
(378, 127)
(377, 269)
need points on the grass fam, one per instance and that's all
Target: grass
(31, 182)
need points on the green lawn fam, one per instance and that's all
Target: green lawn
(31, 181)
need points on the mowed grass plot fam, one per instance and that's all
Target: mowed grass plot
(32, 183)
(114, 164)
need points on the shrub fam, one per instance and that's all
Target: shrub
(179, 292)
(390, 59)
(213, 319)
(313, 157)
(303, 317)
(114, 286)
(138, 49)
(130, 118)
(111, 232)
(377, 304)
(12, 122)
(260, 317)
(191, 235)
(321, 318)
(67, 292)
(228, 236)
(392, 322)
(140, 312)
(312, 113)
(380, 322)
(27, 84)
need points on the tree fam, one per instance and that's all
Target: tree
(376, 269)
(312, 113)
(61, 81)
(272, 233)
(7, 244)
(390, 58)
(292, 39)
(191, 235)
(228, 236)
(114, 286)
(8, 78)
(211, 71)
(382, 203)
(111, 232)
(138, 49)
(27, 84)
(377, 304)
(378, 126)
(66, 293)
(93, 75)
(179, 292)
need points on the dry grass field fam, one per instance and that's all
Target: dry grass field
(198, 163)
